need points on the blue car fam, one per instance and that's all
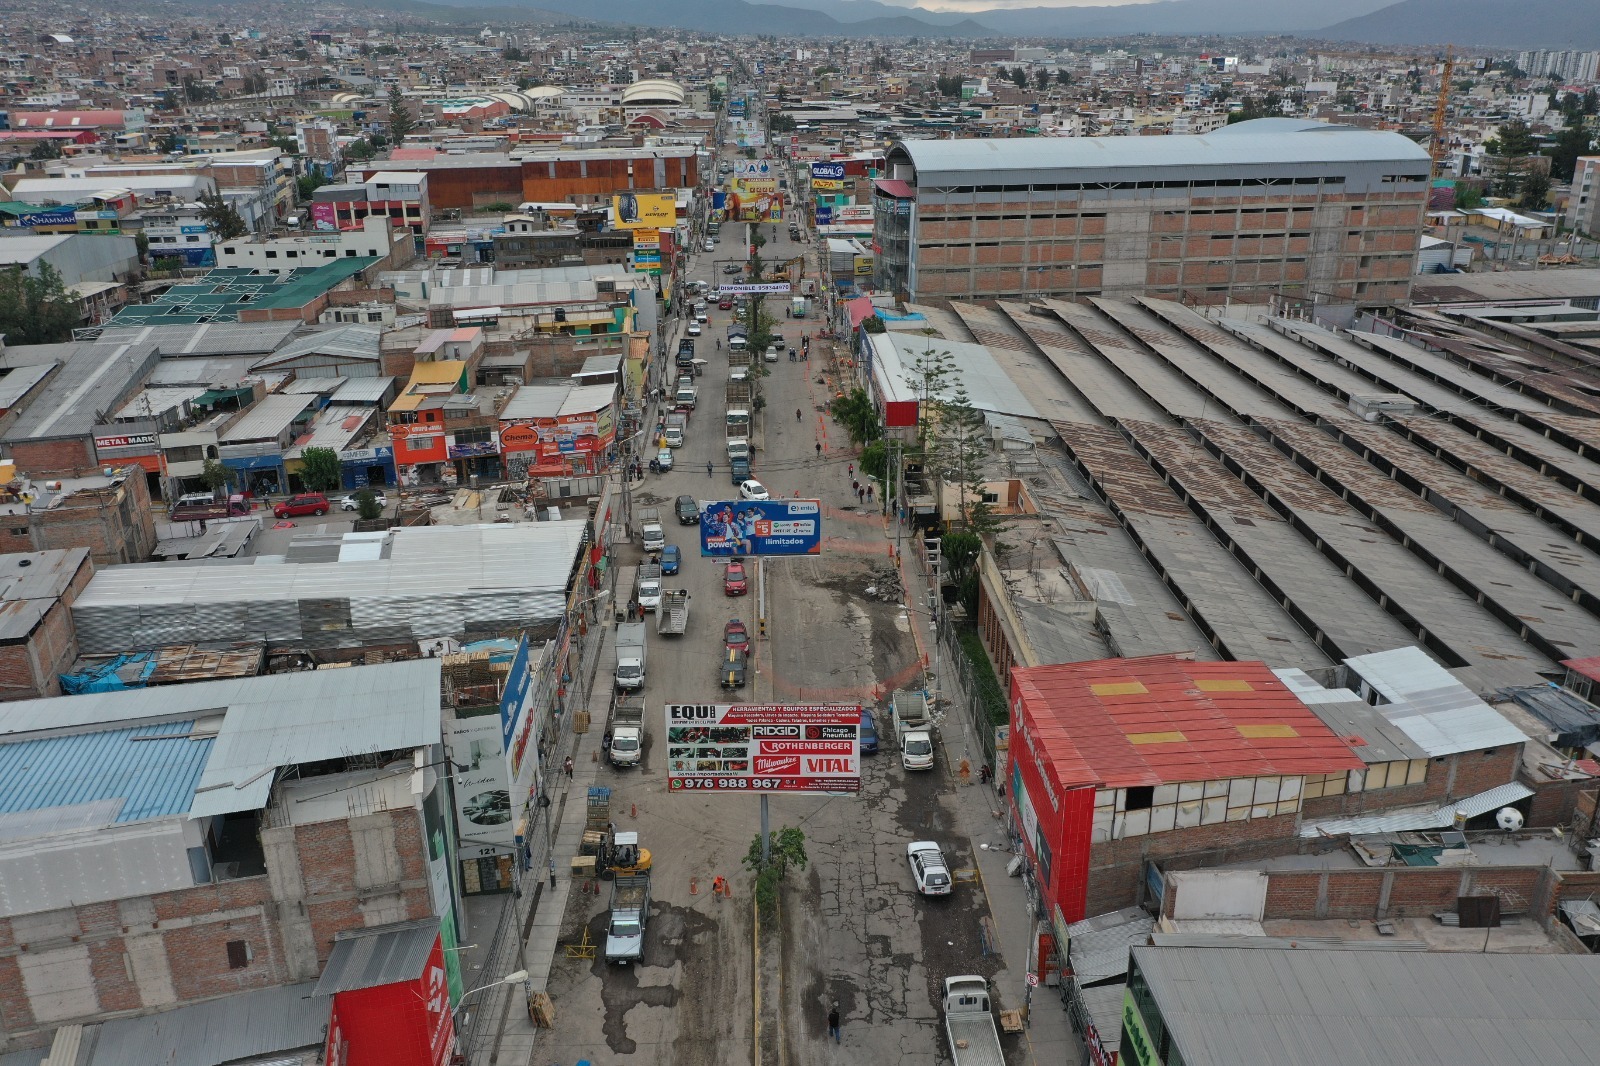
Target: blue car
(670, 558)
(869, 733)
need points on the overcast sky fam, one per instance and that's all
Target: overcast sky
(989, 5)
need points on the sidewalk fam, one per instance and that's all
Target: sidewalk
(512, 1040)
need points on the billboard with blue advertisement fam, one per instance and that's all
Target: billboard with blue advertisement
(514, 700)
(824, 214)
(761, 527)
(828, 171)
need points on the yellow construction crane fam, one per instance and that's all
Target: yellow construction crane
(1437, 149)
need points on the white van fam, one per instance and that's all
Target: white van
(673, 435)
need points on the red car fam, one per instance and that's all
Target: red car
(735, 635)
(726, 303)
(733, 581)
(305, 503)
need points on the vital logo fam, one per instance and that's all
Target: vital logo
(827, 766)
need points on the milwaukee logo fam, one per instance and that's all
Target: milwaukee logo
(777, 765)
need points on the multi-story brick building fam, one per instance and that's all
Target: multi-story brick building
(170, 845)
(1270, 206)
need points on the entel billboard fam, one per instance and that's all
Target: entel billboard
(761, 527)
(794, 748)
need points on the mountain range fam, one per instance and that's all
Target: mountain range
(1469, 23)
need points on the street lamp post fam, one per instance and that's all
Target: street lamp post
(513, 978)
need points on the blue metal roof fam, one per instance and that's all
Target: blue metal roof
(153, 778)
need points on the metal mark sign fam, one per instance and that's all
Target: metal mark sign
(795, 748)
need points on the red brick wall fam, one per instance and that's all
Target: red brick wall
(1116, 868)
(1553, 802)
(68, 457)
(196, 925)
(1412, 892)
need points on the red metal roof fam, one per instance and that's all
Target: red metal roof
(65, 120)
(1116, 723)
(860, 309)
(895, 188)
(1589, 667)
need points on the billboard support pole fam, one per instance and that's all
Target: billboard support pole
(766, 835)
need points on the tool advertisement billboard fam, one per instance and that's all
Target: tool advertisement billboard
(794, 748)
(761, 527)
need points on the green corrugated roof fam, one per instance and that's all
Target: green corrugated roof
(224, 291)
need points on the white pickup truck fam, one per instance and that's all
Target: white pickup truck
(974, 1038)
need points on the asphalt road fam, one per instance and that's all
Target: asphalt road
(854, 932)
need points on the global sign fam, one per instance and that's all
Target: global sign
(827, 171)
(802, 748)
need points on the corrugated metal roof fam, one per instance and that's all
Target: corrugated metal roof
(438, 372)
(205, 338)
(535, 401)
(153, 778)
(1242, 146)
(1407, 821)
(457, 581)
(1435, 710)
(1098, 946)
(381, 955)
(1372, 736)
(270, 416)
(230, 1029)
(363, 390)
(586, 399)
(1116, 723)
(1589, 667)
(1225, 1006)
(266, 722)
(989, 388)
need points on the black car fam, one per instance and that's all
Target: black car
(734, 661)
(688, 511)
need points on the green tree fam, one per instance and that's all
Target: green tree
(959, 454)
(36, 309)
(308, 183)
(141, 244)
(221, 216)
(45, 150)
(319, 469)
(1063, 77)
(1468, 197)
(401, 121)
(1041, 78)
(787, 849)
(1019, 77)
(1511, 140)
(1535, 192)
(359, 150)
(949, 84)
(169, 143)
(854, 411)
(514, 55)
(874, 462)
(1572, 142)
(213, 475)
(196, 91)
(367, 506)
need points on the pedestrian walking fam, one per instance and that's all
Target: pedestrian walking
(850, 470)
(819, 449)
(552, 873)
(861, 495)
(708, 470)
(833, 1015)
(855, 485)
(869, 492)
(566, 766)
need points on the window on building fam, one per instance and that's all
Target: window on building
(192, 239)
(271, 254)
(419, 444)
(1140, 797)
(1320, 785)
(226, 250)
(238, 954)
(1393, 774)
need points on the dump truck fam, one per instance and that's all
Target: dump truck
(630, 910)
(739, 358)
(626, 729)
(647, 588)
(968, 1022)
(913, 729)
(673, 617)
(652, 534)
(739, 395)
(630, 655)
